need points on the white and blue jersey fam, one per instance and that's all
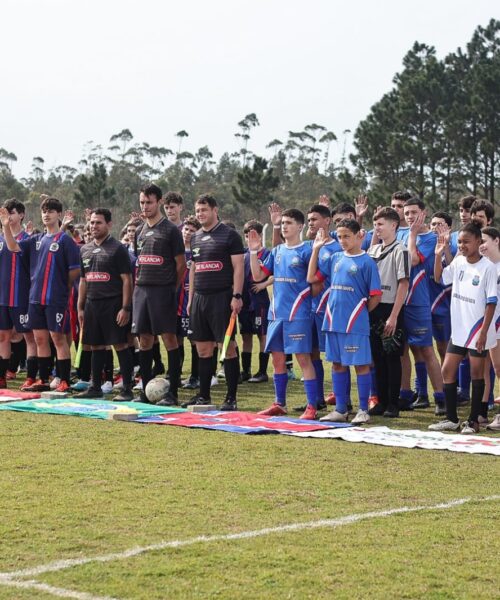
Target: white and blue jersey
(354, 279)
(291, 293)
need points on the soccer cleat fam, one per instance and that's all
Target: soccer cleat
(192, 383)
(244, 376)
(405, 404)
(310, 414)
(196, 401)
(275, 410)
(495, 424)
(107, 387)
(54, 383)
(229, 404)
(445, 425)
(214, 381)
(80, 386)
(10, 375)
(372, 401)
(421, 402)
(169, 400)
(27, 384)
(259, 378)
(126, 395)
(376, 411)
(138, 386)
(221, 374)
(331, 399)
(361, 417)
(38, 386)
(63, 387)
(320, 406)
(440, 409)
(3, 383)
(392, 412)
(118, 383)
(89, 394)
(483, 421)
(335, 417)
(470, 428)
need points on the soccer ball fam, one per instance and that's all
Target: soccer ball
(157, 389)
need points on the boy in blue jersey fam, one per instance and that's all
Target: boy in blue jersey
(54, 258)
(417, 315)
(289, 328)
(344, 211)
(398, 200)
(354, 292)
(253, 315)
(14, 297)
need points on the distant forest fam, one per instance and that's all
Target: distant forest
(436, 133)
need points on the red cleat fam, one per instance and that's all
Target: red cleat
(275, 410)
(372, 402)
(330, 399)
(27, 384)
(62, 387)
(310, 413)
(10, 375)
(38, 386)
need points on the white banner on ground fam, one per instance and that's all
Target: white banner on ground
(411, 438)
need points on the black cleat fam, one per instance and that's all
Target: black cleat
(89, 394)
(392, 412)
(229, 404)
(421, 402)
(196, 401)
(126, 395)
(169, 400)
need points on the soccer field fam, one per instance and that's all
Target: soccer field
(99, 509)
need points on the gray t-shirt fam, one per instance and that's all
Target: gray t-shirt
(393, 263)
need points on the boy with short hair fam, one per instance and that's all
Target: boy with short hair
(173, 205)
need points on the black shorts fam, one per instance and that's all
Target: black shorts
(154, 309)
(452, 349)
(209, 316)
(254, 322)
(99, 323)
(183, 326)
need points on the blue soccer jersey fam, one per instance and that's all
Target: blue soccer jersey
(291, 292)
(52, 256)
(454, 242)
(253, 301)
(418, 291)
(14, 275)
(354, 279)
(439, 294)
(324, 259)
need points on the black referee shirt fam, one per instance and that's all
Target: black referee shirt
(102, 266)
(212, 251)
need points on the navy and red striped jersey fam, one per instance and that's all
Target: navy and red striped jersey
(14, 274)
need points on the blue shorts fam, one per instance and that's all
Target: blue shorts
(318, 335)
(254, 321)
(418, 325)
(348, 349)
(441, 327)
(14, 316)
(53, 318)
(290, 337)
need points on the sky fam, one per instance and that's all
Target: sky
(75, 71)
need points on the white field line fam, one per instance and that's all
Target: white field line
(50, 589)
(10, 577)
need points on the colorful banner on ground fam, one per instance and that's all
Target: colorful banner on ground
(240, 422)
(411, 438)
(14, 395)
(95, 409)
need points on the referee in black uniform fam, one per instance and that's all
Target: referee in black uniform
(104, 302)
(161, 265)
(215, 286)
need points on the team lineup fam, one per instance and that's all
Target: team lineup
(368, 299)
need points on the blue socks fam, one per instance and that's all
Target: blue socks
(340, 383)
(320, 378)
(311, 389)
(421, 371)
(280, 383)
(464, 378)
(364, 383)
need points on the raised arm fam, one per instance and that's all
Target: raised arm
(12, 245)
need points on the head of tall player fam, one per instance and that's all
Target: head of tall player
(440, 220)
(16, 211)
(482, 212)
(292, 224)
(490, 246)
(350, 236)
(207, 211)
(100, 224)
(414, 209)
(464, 206)
(173, 204)
(51, 210)
(318, 217)
(341, 212)
(150, 201)
(398, 200)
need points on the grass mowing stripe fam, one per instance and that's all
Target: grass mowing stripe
(54, 591)
(348, 519)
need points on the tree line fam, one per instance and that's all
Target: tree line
(435, 133)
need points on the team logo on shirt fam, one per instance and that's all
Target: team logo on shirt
(205, 238)
(353, 269)
(86, 262)
(196, 252)
(149, 233)
(475, 281)
(96, 276)
(150, 259)
(96, 250)
(295, 261)
(54, 247)
(209, 265)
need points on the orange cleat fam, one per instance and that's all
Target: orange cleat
(330, 399)
(310, 413)
(275, 410)
(63, 387)
(27, 384)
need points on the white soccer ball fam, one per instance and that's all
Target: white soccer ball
(157, 389)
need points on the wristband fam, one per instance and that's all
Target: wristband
(254, 251)
(276, 226)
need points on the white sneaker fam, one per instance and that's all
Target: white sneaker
(187, 380)
(55, 383)
(495, 424)
(444, 426)
(361, 417)
(138, 386)
(469, 428)
(221, 374)
(118, 387)
(335, 417)
(107, 387)
(214, 381)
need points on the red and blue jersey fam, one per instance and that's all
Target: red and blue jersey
(291, 293)
(418, 291)
(52, 257)
(324, 259)
(353, 280)
(14, 275)
(439, 294)
(183, 292)
(254, 300)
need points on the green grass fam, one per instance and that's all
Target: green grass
(77, 488)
